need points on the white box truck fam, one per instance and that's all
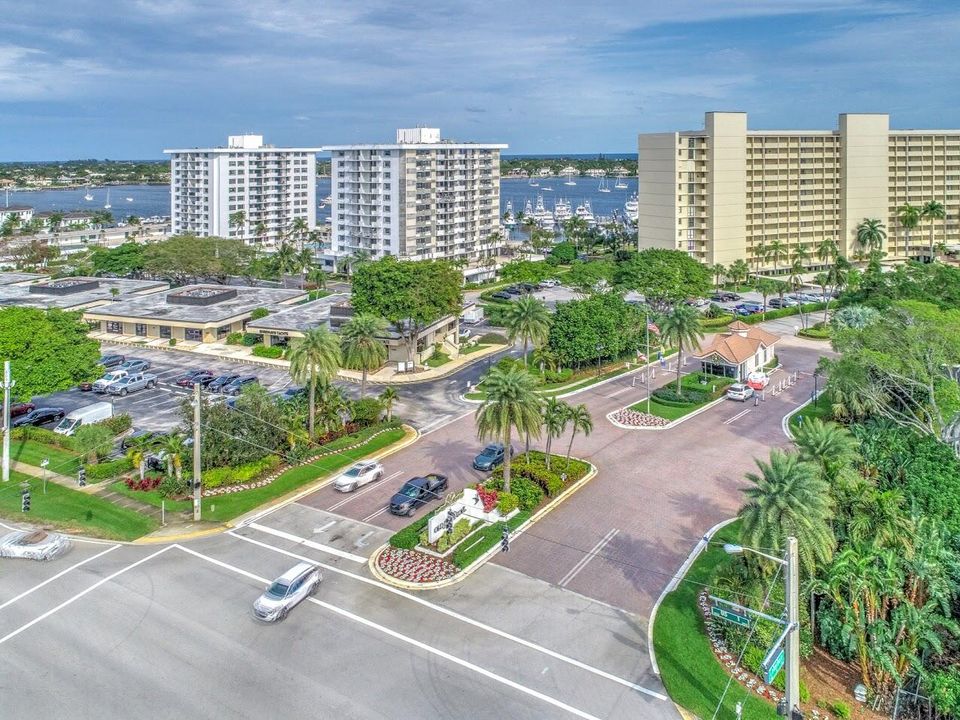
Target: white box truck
(84, 416)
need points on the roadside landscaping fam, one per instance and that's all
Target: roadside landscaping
(71, 511)
(697, 391)
(32, 452)
(92, 444)
(820, 410)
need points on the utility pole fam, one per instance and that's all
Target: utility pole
(7, 387)
(196, 452)
(646, 374)
(791, 573)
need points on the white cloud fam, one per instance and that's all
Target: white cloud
(32, 74)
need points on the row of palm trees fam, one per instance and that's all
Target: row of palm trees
(910, 217)
(513, 405)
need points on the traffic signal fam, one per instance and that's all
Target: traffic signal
(505, 539)
(25, 501)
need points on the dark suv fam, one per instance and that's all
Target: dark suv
(416, 492)
(239, 384)
(724, 296)
(218, 384)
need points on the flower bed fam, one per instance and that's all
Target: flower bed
(413, 566)
(632, 418)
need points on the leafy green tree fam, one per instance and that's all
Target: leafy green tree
(527, 271)
(93, 442)
(564, 252)
(362, 344)
(909, 217)
(527, 318)
(788, 497)
(681, 327)
(511, 404)
(186, 258)
(663, 277)
(409, 295)
(48, 350)
(389, 396)
(589, 278)
(556, 415)
(579, 326)
(580, 421)
(231, 438)
(314, 360)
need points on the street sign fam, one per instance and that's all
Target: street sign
(775, 667)
(730, 616)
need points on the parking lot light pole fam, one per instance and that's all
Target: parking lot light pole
(7, 387)
(196, 452)
(599, 350)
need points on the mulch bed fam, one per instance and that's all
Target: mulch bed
(413, 566)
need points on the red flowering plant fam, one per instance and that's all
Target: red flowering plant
(487, 497)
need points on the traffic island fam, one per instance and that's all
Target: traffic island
(447, 545)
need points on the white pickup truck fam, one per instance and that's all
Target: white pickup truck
(132, 383)
(114, 376)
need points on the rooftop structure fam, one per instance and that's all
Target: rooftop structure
(74, 293)
(738, 351)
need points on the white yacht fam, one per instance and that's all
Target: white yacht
(543, 216)
(632, 208)
(562, 211)
(585, 212)
(603, 185)
(509, 219)
(534, 182)
(88, 197)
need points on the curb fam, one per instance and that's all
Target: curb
(668, 426)
(785, 422)
(399, 380)
(674, 581)
(483, 559)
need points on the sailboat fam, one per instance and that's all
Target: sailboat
(108, 205)
(88, 197)
(603, 185)
(621, 185)
(509, 219)
(534, 182)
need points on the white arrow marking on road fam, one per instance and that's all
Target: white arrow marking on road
(325, 527)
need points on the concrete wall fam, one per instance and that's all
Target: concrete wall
(726, 187)
(864, 153)
(657, 195)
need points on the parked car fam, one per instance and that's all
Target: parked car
(114, 376)
(526, 287)
(293, 392)
(724, 296)
(360, 473)
(135, 365)
(696, 302)
(785, 303)
(514, 290)
(748, 308)
(548, 283)
(112, 360)
(86, 415)
(287, 591)
(416, 492)
(502, 295)
(18, 409)
(465, 333)
(237, 385)
(489, 457)
(739, 391)
(39, 416)
(133, 383)
(189, 379)
(218, 383)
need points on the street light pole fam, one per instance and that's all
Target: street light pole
(196, 452)
(599, 350)
(7, 387)
(646, 373)
(792, 646)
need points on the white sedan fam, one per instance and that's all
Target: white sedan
(360, 473)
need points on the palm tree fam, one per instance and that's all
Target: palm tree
(298, 231)
(318, 277)
(527, 318)
(776, 251)
(333, 404)
(738, 271)
(827, 445)
(286, 259)
(766, 287)
(931, 210)
(357, 257)
(388, 396)
(304, 260)
(796, 281)
(827, 250)
(871, 234)
(789, 497)
(719, 273)
(238, 220)
(260, 230)
(362, 346)
(175, 448)
(823, 280)
(579, 418)
(545, 359)
(314, 358)
(801, 254)
(760, 253)
(137, 450)
(681, 326)
(909, 217)
(511, 403)
(574, 229)
(556, 415)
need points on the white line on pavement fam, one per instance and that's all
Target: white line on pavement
(80, 594)
(326, 527)
(457, 616)
(58, 575)
(585, 560)
(445, 423)
(376, 514)
(621, 390)
(309, 543)
(373, 486)
(407, 639)
(736, 417)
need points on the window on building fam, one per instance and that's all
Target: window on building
(140, 329)
(165, 331)
(193, 334)
(114, 327)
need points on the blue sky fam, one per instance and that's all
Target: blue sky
(125, 80)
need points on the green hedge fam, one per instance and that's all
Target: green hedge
(48, 437)
(720, 322)
(274, 352)
(117, 424)
(492, 338)
(408, 538)
(240, 474)
(109, 469)
(235, 338)
(817, 332)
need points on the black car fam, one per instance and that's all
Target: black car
(195, 377)
(219, 383)
(514, 290)
(502, 295)
(112, 360)
(40, 416)
(237, 385)
(293, 392)
(724, 296)
(416, 492)
(489, 457)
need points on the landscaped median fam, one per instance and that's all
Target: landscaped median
(448, 544)
(667, 407)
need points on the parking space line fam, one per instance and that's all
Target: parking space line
(309, 543)
(373, 486)
(585, 560)
(378, 513)
(80, 594)
(457, 616)
(621, 390)
(736, 417)
(58, 575)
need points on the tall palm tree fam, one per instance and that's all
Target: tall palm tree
(527, 318)
(362, 346)
(388, 396)
(175, 448)
(298, 231)
(356, 258)
(788, 497)
(682, 327)
(909, 217)
(827, 250)
(545, 359)
(286, 259)
(556, 415)
(238, 220)
(827, 445)
(719, 273)
(760, 253)
(260, 230)
(776, 251)
(823, 281)
(933, 210)
(796, 282)
(574, 230)
(766, 287)
(304, 260)
(871, 234)
(801, 254)
(137, 450)
(580, 421)
(332, 404)
(738, 271)
(318, 277)
(511, 403)
(314, 358)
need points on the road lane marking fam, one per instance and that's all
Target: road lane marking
(445, 422)
(585, 560)
(457, 616)
(405, 638)
(373, 486)
(80, 594)
(736, 417)
(430, 425)
(58, 575)
(326, 527)
(309, 543)
(622, 390)
(371, 516)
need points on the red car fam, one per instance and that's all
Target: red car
(192, 377)
(18, 409)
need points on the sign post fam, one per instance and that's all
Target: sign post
(730, 616)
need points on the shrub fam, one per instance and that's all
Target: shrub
(442, 543)
(508, 503)
(171, 342)
(668, 395)
(235, 338)
(715, 311)
(366, 411)
(945, 691)
(492, 338)
(151, 482)
(93, 441)
(488, 497)
(260, 312)
(408, 537)
(274, 352)
(564, 252)
(424, 538)
(110, 469)
(840, 709)
(171, 487)
(558, 376)
(240, 474)
(29, 432)
(528, 493)
(817, 332)
(117, 424)
(251, 339)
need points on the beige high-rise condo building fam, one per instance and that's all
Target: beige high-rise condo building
(421, 198)
(727, 193)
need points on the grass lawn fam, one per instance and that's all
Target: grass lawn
(437, 359)
(31, 452)
(220, 508)
(479, 542)
(820, 410)
(72, 511)
(152, 497)
(690, 672)
(670, 412)
(473, 348)
(689, 382)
